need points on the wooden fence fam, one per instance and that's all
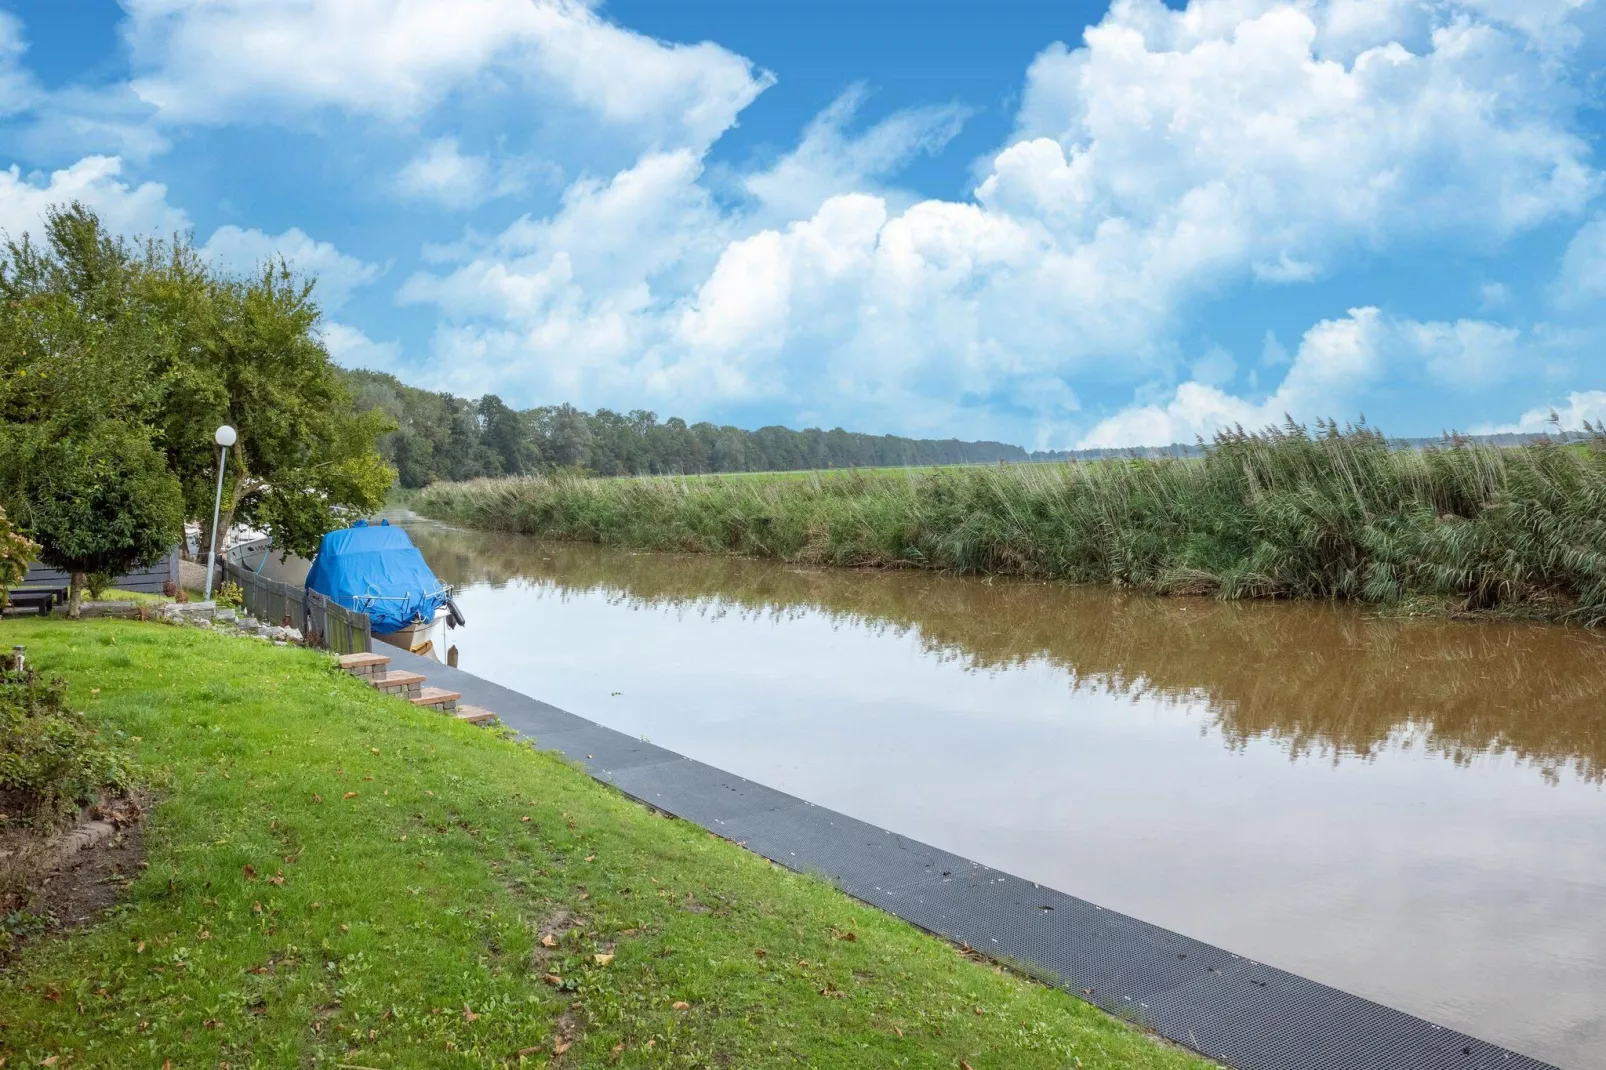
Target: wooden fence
(149, 580)
(324, 623)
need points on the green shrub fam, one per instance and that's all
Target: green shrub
(51, 759)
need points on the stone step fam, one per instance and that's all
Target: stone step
(474, 714)
(364, 664)
(436, 697)
(398, 682)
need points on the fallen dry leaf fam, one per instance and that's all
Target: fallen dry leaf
(256, 908)
(522, 1052)
(584, 896)
(205, 935)
(316, 797)
(548, 940)
(374, 749)
(468, 1015)
(963, 1065)
(603, 959)
(525, 818)
(552, 979)
(560, 1046)
(591, 858)
(349, 795)
(760, 952)
(140, 950)
(49, 1060)
(680, 1005)
(898, 1031)
(978, 1010)
(250, 871)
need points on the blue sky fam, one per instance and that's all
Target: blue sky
(1060, 224)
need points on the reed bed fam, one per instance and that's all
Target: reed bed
(1283, 513)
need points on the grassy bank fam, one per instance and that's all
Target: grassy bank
(1281, 514)
(338, 879)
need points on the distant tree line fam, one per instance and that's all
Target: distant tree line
(442, 437)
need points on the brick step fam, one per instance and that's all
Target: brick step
(363, 665)
(474, 714)
(437, 698)
(398, 682)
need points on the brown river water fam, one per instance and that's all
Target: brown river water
(1412, 810)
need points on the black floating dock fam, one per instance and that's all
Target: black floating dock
(1232, 1009)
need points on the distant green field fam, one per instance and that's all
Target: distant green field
(823, 473)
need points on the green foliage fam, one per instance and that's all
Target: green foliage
(51, 759)
(17, 552)
(102, 501)
(441, 437)
(149, 338)
(97, 583)
(229, 594)
(330, 868)
(1279, 514)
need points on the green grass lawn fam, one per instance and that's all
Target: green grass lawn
(337, 879)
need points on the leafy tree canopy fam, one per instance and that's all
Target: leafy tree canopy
(98, 333)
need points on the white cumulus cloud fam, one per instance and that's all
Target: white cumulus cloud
(1337, 362)
(444, 174)
(1580, 407)
(831, 160)
(244, 252)
(1175, 156)
(351, 348)
(1583, 267)
(217, 60)
(97, 182)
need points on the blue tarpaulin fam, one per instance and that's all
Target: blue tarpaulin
(376, 569)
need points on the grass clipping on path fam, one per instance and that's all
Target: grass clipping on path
(338, 878)
(1280, 514)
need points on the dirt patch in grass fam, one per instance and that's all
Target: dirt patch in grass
(47, 891)
(549, 934)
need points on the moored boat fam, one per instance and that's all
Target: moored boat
(375, 569)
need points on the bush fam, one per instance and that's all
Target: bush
(230, 595)
(52, 761)
(102, 502)
(17, 551)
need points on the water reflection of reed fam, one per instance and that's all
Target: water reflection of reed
(1320, 679)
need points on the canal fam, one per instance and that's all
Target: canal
(1410, 809)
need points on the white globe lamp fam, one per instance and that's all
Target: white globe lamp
(225, 437)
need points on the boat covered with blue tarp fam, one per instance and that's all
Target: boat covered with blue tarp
(376, 569)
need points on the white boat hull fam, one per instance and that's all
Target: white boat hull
(424, 638)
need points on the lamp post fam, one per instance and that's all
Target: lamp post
(224, 437)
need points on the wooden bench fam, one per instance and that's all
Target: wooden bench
(40, 598)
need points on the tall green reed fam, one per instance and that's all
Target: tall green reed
(1281, 513)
